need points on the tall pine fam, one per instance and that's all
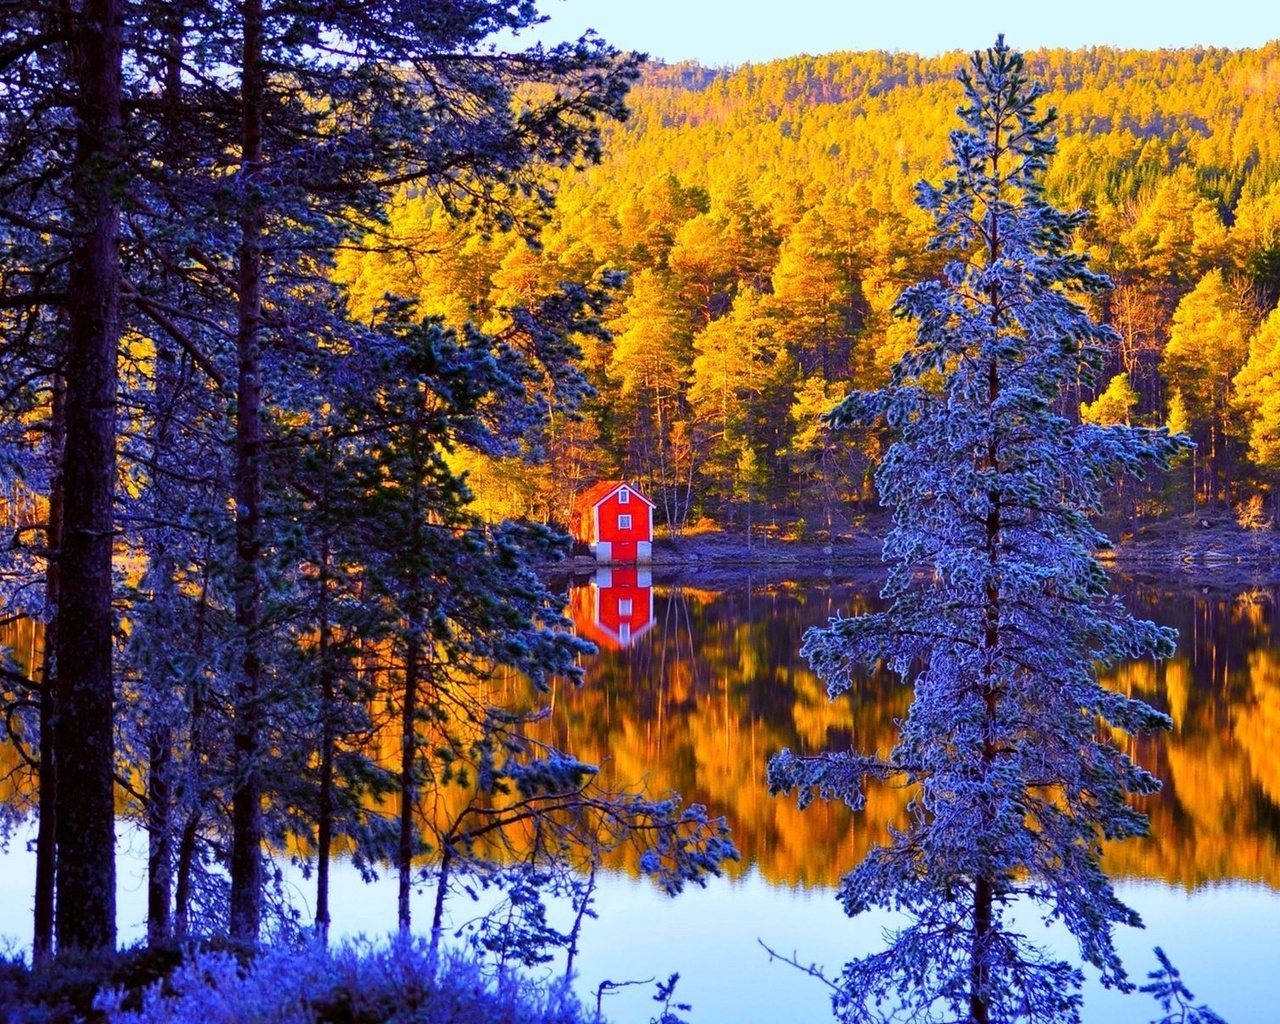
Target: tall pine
(999, 614)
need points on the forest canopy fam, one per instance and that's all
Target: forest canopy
(764, 216)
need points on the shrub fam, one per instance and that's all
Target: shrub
(359, 983)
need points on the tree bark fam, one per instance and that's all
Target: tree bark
(159, 834)
(246, 798)
(408, 774)
(46, 840)
(182, 874)
(160, 760)
(328, 709)
(83, 622)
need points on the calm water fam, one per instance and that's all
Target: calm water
(698, 683)
(698, 701)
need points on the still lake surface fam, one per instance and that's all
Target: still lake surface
(699, 680)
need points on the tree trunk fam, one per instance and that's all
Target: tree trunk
(983, 889)
(194, 783)
(84, 752)
(408, 785)
(159, 835)
(46, 842)
(246, 797)
(160, 760)
(437, 912)
(182, 873)
(979, 973)
(324, 812)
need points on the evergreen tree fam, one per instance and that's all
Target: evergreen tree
(1000, 616)
(62, 158)
(123, 206)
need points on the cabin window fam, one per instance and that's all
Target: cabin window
(624, 606)
(624, 522)
(624, 632)
(624, 496)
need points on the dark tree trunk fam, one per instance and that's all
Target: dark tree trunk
(195, 796)
(983, 887)
(46, 842)
(159, 834)
(159, 727)
(980, 974)
(437, 911)
(328, 708)
(83, 623)
(182, 874)
(408, 772)
(246, 798)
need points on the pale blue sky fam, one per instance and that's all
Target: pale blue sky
(728, 32)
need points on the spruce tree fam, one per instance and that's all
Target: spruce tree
(999, 614)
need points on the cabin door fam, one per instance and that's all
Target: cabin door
(624, 551)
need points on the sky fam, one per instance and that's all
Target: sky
(721, 32)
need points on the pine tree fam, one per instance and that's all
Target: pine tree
(1000, 617)
(62, 157)
(124, 207)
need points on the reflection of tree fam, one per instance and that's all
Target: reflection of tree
(717, 687)
(21, 643)
(696, 714)
(1257, 723)
(1218, 816)
(705, 730)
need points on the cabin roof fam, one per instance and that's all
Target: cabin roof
(597, 493)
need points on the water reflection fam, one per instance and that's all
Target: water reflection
(709, 684)
(615, 608)
(701, 698)
(699, 703)
(21, 644)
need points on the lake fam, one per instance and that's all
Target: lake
(699, 681)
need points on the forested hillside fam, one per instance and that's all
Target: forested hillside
(316, 315)
(765, 219)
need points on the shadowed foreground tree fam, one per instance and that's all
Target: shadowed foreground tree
(61, 160)
(1001, 616)
(325, 141)
(297, 121)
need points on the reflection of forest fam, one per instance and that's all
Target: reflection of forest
(21, 640)
(700, 703)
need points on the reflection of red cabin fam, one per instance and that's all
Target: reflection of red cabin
(616, 521)
(615, 608)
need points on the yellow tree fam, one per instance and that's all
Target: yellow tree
(716, 251)
(1114, 405)
(1207, 348)
(651, 218)
(1254, 240)
(817, 286)
(650, 370)
(741, 392)
(1257, 398)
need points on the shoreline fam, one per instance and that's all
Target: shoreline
(1201, 553)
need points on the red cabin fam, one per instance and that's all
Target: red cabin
(615, 609)
(616, 521)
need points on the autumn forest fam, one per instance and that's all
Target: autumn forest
(766, 222)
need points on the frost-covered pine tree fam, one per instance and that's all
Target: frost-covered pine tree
(1000, 615)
